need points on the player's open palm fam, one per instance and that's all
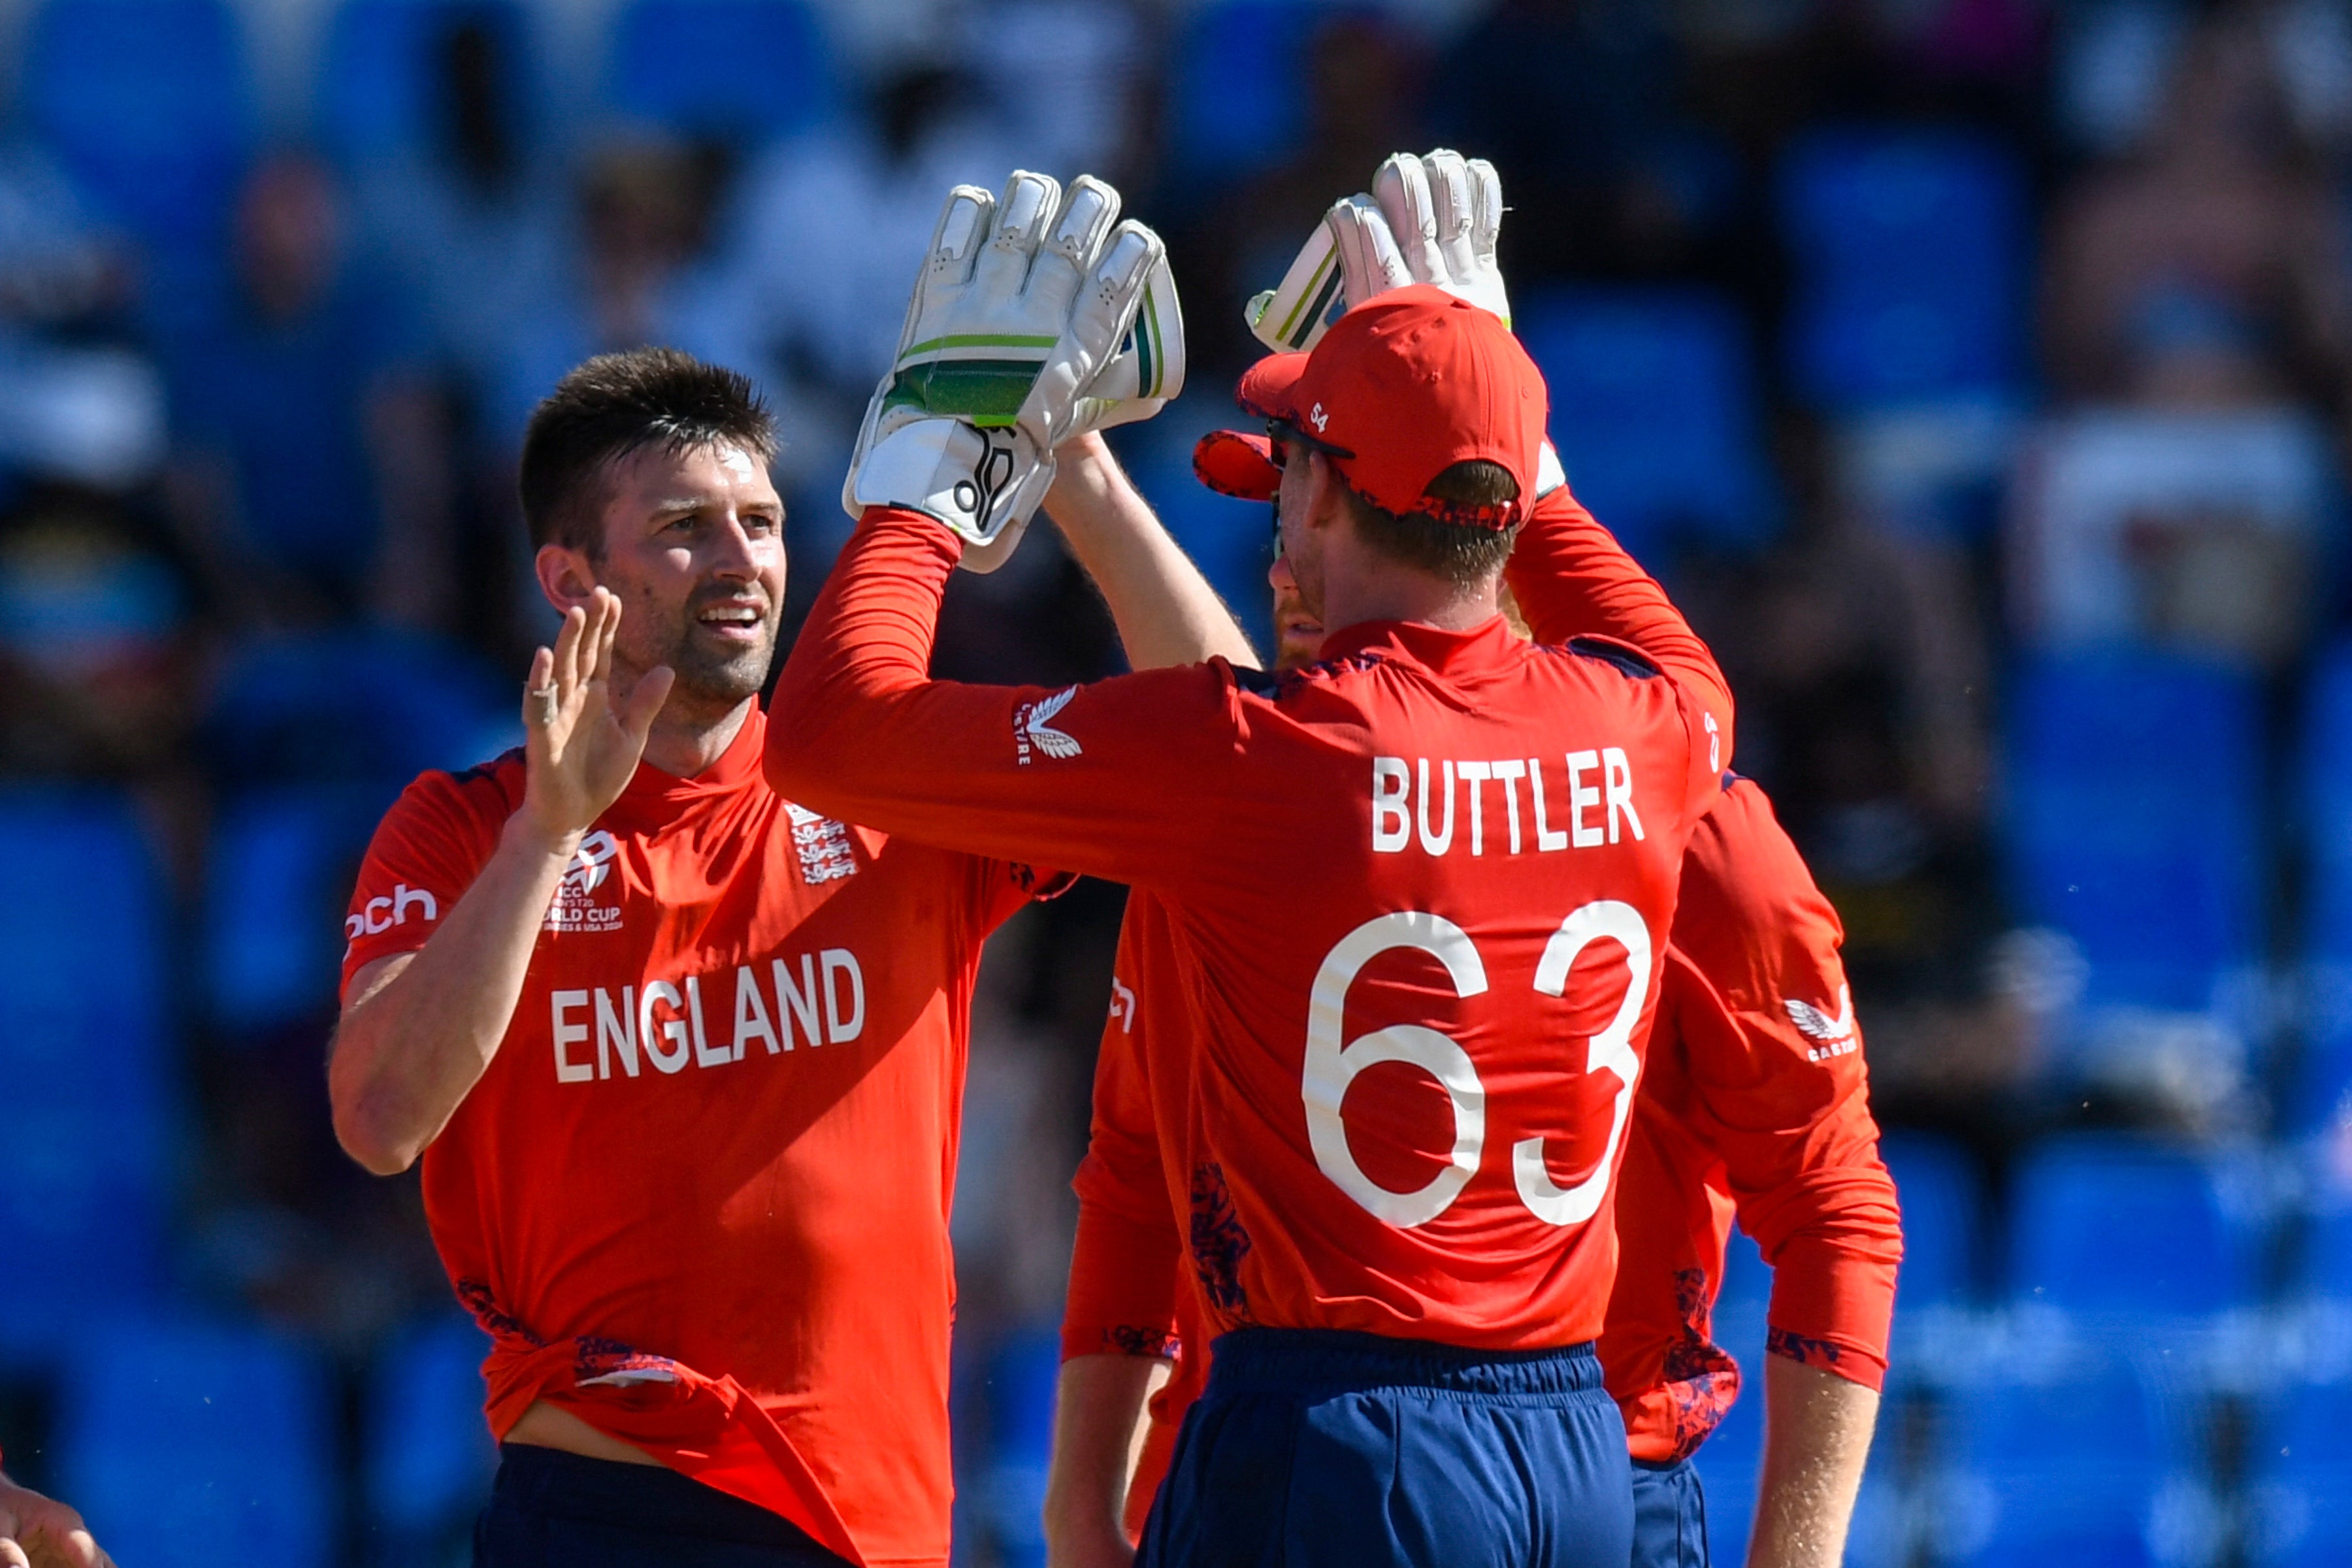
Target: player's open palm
(584, 736)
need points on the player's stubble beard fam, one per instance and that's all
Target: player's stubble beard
(712, 681)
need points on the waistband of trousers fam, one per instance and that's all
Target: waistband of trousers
(1299, 1359)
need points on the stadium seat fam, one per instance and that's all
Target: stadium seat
(2134, 788)
(2324, 1265)
(362, 707)
(187, 1445)
(428, 1459)
(2069, 1472)
(744, 71)
(1936, 1185)
(149, 105)
(1654, 411)
(279, 878)
(379, 78)
(1022, 1373)
(1236, 98)
(86, 1062)
(1912, 255)
(2299, 1480)
(2110, 1223)
(2319, 1090)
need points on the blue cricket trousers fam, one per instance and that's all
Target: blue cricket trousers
(1318, 1447)
(552, 1509)
(1669, 1517)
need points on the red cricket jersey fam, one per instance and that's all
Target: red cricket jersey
(1417, 898)
(1754, 1085)
(700, 1196)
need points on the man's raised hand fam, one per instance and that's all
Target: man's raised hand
(583, 739)
(37, 1531)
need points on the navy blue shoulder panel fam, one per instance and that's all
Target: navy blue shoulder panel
(1624, 656)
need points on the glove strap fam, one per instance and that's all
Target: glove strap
(972, 481)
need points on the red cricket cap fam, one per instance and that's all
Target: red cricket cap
(1401, 388)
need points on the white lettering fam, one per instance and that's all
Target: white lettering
(562, 1004)
(1617, 774)
(1436, 844)
(404, 895)
(1508, 772)
(1547, 839)
(617, 1031)
(840, 960)
(703, 1055)
(1388, 804)
(752, 1013)
(1583, 833)
(1474, 775)
(796, 1003)
(376, 921)
(673, 1029)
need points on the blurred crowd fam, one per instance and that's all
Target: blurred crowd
(1976, 373)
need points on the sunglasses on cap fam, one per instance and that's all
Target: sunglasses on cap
(1278, 431)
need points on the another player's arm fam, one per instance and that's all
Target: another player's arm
(1119, 1316)
(1817, 1429)
(418, 1029)
(860, 731)
(1783, 1098)
(1571, 578)
(1165, 610)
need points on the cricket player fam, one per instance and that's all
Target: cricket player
(683, 1056)
(1752, 1094)
(1418, 898)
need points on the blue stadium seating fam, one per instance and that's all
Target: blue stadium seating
(187, 1445)
(2320, 1089)
(279, 876)
(741, 70)
(1022, 1372)
(379, 78)
(2134, 789)
(1937, 1187)
(2113, 1224)
(2325, 1263)
(1654, 411)
(1911, 256)
(85, 1060)
(2063, 1473)
(2299, 1478)
(148, 103)
(1236, 101)
(428, 1457)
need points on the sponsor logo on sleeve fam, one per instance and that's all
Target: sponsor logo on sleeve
(1122, 1004)
(1834, 1035)
(379, 915)
(1033, 729)
(575, 908)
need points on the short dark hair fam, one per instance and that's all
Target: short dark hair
(1463, 553)
(609, 408)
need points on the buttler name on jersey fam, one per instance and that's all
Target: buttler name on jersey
(1593, 804)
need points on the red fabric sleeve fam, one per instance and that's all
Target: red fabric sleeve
(427, 852)
(1124, 1269)
(1780, 1090)
(1573, 579)
(1075, 778)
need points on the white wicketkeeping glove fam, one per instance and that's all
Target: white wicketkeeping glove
(1028, 326)
(1430, 219)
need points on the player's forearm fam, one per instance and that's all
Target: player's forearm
(1165, 610)
(1573, 579)
(1098, 1428)
(408, 1052)
(1817, 1429)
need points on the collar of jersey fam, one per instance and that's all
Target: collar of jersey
(654, 795)
(1483, 647)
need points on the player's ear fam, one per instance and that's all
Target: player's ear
(565, 576)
